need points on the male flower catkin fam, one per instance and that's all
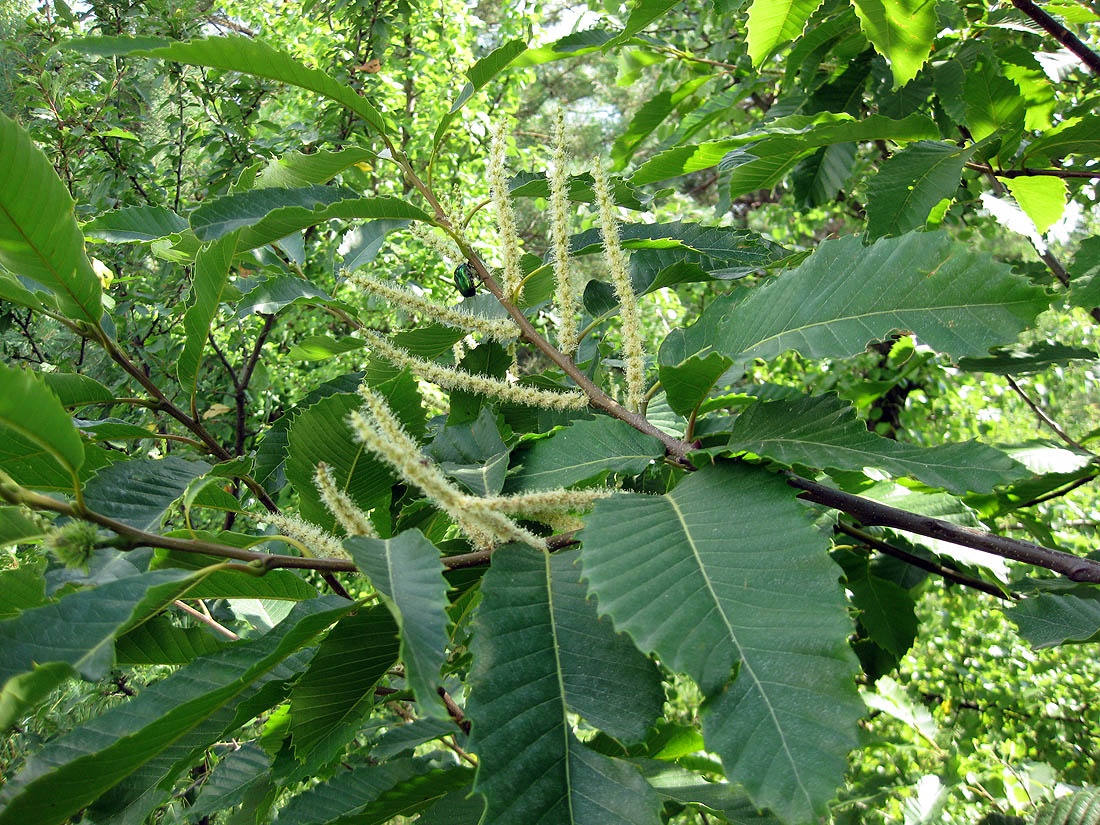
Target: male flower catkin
(351, 518)
(500, 329)
(506, 217)
(318, 542)
(380, 432)
(566, 290)
(457, 379)
(615, 258)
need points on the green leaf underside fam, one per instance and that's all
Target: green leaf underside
(407, 570)
(911, 182)
(953, 299)
(159, 642)
(74, 636)
(238, 54)
(825, 432)
(679, 785)
(530, 667)
(336, 693)
(39, 236)
(76, 769)
(1051, 619)
(704, 580)
(135, 224)
(229, 780)
(581, 451)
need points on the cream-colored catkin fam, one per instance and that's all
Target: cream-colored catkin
(615, 258)
(319, 542)
(458, 379)
(347, 514)
(512, 275)
(500, 329)
(565, 294)
(380, 431)
(560, 499)
(439, 244)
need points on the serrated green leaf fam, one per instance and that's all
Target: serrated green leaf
(785, 139)
(16, 526)
(642, 13)
(649, 116)
(581, 451)
(1043, 199)
(676, 784)
(825, 432)
(237, 54)
(140, 492)
(336, 693)
(993, 105)
(270, 296)
(531, 668)
(362, 244)
(297, 169)
(1073, 136)
(910, 183)
(572, 45)
(135, 224)
(702, 579)
(158, 724)
(159, 642)
(281, 585)
(74, 636)
(408, 571)
(209, 284)
(39, 236)
(886, 611)
(902, 31)
(1079, 808)
(1035, 358)
(369, 793)
(479, 75)
(688, 383)
(398, 740)
(1051, 619)
(772, 23)
(40, 447)
(320, 347)
(920, 282)
(225, 788)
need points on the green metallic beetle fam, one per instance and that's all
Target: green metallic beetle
(466, 279)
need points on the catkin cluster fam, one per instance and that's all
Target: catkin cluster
(484, 520)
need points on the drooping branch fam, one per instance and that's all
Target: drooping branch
(1060, 33)
(875, 513)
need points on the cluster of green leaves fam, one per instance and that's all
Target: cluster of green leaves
(527, 685)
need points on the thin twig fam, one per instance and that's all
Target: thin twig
(1034, 173)
(209, 621)
(1060, 33)
(1046, 419)
(917, 561)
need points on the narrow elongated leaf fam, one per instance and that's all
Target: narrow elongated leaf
(910, 183)
(479, 74)
(39, 236)
(135, 224)
(76, 769)
(278, 585)
(402, 738)
(74, 636)
(528, 672)
(298, 169)
(774, 22)
(651, 115)
(225, 789)
(1035, 358)
(140, 492)
(373, 793)
(75, 390)
(800, 134)
(237, 54)
(902, 31)
(336, 693)
(583, 450)
(642, 14)
(1073, 136)
(362, 244)
(38, 440)
(677, 784)
(210, 280)
(825, 432)
(924, 283)
(407, 570)
(703, 580)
